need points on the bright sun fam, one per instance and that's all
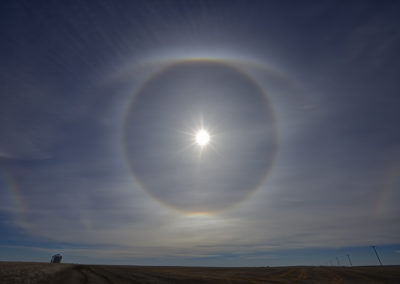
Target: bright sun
(202, 138)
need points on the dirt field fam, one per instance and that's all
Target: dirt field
(68, 273)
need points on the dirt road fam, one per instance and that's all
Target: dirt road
(100, 274)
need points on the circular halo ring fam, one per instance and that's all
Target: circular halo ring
(167, 64)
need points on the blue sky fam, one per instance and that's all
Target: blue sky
(100, 104)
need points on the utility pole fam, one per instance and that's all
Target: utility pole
(337, 259)
(348, 256)
(377, 255)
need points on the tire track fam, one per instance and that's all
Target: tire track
(91, 276)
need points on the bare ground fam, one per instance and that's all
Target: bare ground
(12, 272)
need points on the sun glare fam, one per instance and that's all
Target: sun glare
(202, 138)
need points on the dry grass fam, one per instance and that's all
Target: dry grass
(68, 273)
(29, 272)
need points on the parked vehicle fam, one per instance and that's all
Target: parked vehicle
(56, 258)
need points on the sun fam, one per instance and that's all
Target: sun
(202, 138)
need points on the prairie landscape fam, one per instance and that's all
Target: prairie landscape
(24, 272)
(202, 141)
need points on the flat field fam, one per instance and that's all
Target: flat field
(23, 272)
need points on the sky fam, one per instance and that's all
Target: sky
(101, 102)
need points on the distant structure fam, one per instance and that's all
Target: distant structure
(348, 256)
(377, 254)
(56, 258)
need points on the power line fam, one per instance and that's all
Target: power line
(377, 255)
(348, 256)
